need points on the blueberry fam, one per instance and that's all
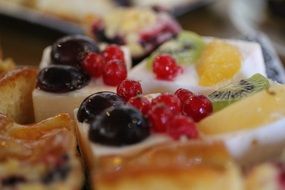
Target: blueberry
(119, 126)
(60, 79)
(94, 104)
(71, 50)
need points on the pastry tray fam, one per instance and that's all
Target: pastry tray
(33, 16)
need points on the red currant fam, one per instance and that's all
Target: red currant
(165, 67)
(181, 125)
(183, 94)
(114, 72)
(159, 116)
(169, 100)
(129, 88)
(197, 107)
(112, 52)
(141, 103)
(93, 64)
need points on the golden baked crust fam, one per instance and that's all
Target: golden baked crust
(191, 165)
(45, 152)
(16, 88)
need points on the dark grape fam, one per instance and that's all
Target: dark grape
(61, 79)
(71, 50)
(94, 104)
(119, 126)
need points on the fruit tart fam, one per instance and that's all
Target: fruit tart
(199, 64)
(142, 30)
(39, 156)
(16, 88)
(110, 121)
(252, 127)
(125, 134)
(73, 68)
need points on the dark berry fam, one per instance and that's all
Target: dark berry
(13, 180)
(61, 79)
(159, 116)
(112, 52)
(169, 100)
(141, 103)
(93, 64)
(197, 107)
(114, 72)
(165, 67)
(119, 126)
(129, 88)
(183, 94)
(71, 50)
(181, 125)
(96, 103)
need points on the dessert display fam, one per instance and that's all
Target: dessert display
(39, 156)
(198, 64)
(72, 69)
(146, 106)
(127, 123)
(16, 88)
(141, 30)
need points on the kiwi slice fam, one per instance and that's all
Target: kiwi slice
(186, 48)
(237, 91)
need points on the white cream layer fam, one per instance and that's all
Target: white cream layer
(99, 150)
(254, 145)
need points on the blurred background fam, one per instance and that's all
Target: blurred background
(25, 32)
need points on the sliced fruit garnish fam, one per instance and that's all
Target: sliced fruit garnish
(236, 91)
(218, 62)
(262, 108)
(185, 49)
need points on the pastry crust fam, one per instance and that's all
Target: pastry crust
(169, 166)
(45, 152)
(16, 88)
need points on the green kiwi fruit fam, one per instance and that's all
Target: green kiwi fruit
(186, 48)
(237, 91)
